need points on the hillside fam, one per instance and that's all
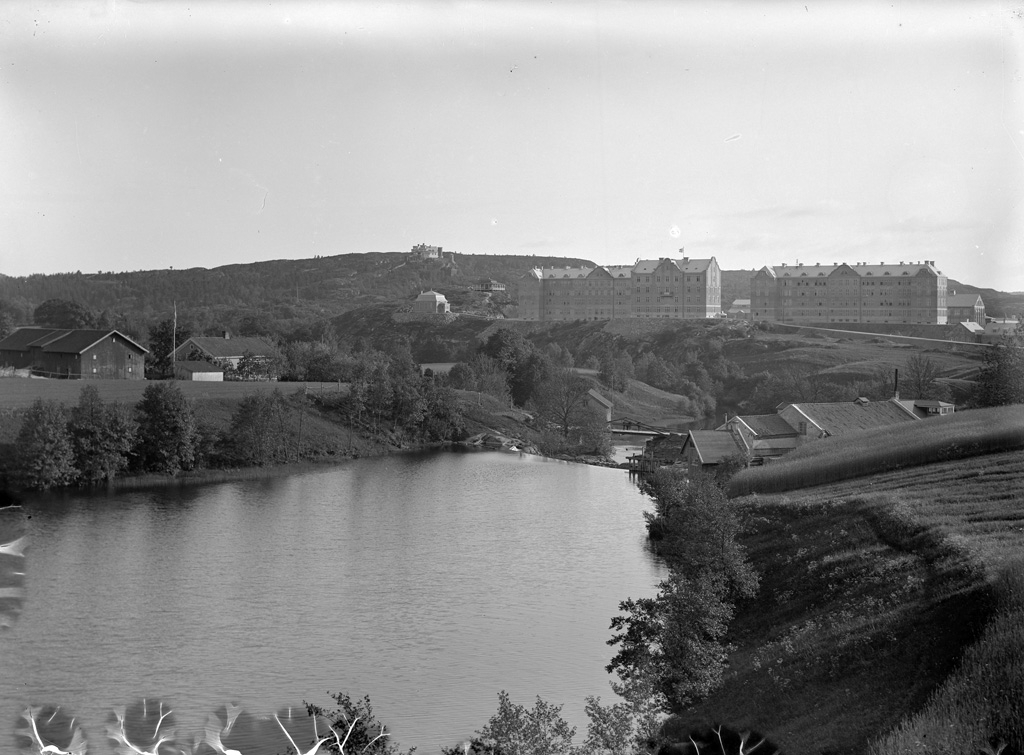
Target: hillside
(283, 291)
(882, 609)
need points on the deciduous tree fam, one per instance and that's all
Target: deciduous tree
(1001, 380)
(168, 435)
(259, 432)
(163, 339)
(102, 435)
(45, 455)
(920, 382)
(60, 313)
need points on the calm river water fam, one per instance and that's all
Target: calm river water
(427, 581)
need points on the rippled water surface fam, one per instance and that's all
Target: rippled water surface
(428, 581)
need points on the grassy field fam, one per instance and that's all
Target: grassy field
(890, 614)
(844, 359)
(19, 393)
(869, 452)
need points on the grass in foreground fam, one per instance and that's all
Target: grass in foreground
(965, 434)
(877, 613)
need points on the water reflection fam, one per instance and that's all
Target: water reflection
(12, 564)
(49, 730)
(144, 728)
(456, 574)
(234, 730)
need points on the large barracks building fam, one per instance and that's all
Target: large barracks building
(910, 292)
(683, 289)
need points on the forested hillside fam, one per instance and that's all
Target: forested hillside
(284, 292)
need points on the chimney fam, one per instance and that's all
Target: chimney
(896, 385)
(227, 335)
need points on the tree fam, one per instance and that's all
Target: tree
(356, 726)
(442, 417)
(676, 639)
(920, 378)
(617, 370)
(6, 322)
(696, 529)
(1001, 380)
(45, 456)
(258, 366)
(258, 433)
(102, 436)
(59, 313)
(163, 339)
(168, 435)
(518, 730)
(562, 400)
(675, 642)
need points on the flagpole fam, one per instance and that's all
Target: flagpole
(174, 338)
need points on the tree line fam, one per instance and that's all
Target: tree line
(95, 442)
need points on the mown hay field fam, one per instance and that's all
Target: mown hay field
(869, 452)
(886, 614)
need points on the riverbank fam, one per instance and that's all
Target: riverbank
(319, 434)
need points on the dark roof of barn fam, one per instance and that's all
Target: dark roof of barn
(61, 341)
(845, 417)
(22, 338)
(226, 348)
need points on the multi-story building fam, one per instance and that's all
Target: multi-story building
(908, 292)
(677, 289)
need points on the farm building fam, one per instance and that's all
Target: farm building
(706, 449)
(198, 371)
(74, 353)
(598, 403)
(226, 350)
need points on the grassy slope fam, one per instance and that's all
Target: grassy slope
(873, 590)
(845, 359)
(886, 448)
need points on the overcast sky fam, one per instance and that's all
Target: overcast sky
(140, 135)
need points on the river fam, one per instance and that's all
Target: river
(427, 581)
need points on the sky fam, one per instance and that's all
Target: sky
(154, 134)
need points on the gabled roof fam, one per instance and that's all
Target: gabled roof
(194, 365)
(767, 425)
(58, 341)
(849, 416)
(695, 265)
(432, 296)
(712, 446)
(620, 271)
(600, 399)
(22, 338)
(228, 348)
(963, 300)
(645, 267)
(973, 327)
(554, 273)
(881, 270)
